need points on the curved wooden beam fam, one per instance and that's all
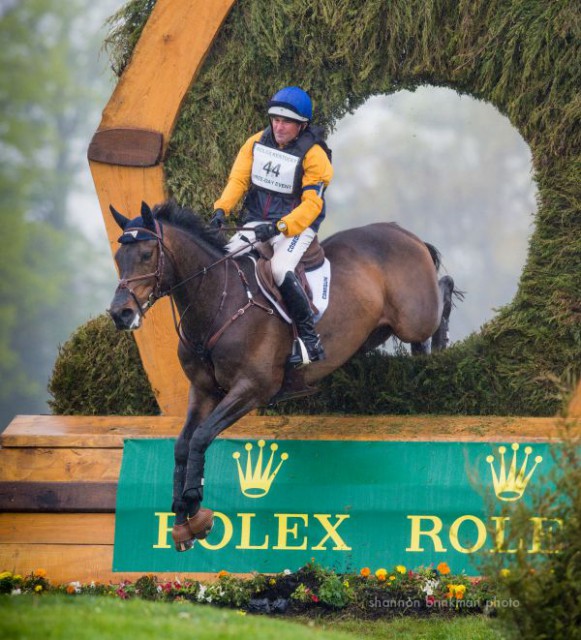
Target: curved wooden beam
(126, 153)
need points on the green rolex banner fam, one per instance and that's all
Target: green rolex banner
(346, 504)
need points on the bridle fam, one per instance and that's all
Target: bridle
(157, 292)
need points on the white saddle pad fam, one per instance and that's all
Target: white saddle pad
(320, 282)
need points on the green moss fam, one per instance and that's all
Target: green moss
(523, 56)
(98, 372)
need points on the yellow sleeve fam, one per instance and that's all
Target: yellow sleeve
(317, 169)
(239, 178)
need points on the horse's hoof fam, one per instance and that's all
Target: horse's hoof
(182, 537)
(201, 524)
(185, 545)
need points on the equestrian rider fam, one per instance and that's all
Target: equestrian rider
(284, 171)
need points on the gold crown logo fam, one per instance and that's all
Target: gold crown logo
(255, 482)
(510, 486)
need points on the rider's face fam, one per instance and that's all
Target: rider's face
(284, 130)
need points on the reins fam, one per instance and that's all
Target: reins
(209, 342)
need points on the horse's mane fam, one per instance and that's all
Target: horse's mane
(190, 222)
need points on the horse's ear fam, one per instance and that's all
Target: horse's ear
(119, 218)
(147, 216)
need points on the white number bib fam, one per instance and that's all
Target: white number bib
(273, 169)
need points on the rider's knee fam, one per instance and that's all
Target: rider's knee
(279, 272)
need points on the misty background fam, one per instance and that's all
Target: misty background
(447, 167)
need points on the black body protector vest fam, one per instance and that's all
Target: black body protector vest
(277, 176)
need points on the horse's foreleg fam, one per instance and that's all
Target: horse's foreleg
(200, 406)
(197, 521)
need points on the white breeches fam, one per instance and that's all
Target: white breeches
(287, 251)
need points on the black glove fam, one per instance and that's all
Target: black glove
(265, 231)
(218, 220)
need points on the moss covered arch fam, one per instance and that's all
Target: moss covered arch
(522, 56)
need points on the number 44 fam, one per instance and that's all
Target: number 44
(268, 168)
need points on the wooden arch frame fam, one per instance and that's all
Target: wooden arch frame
(127, 152)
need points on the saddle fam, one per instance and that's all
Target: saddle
(312, 259)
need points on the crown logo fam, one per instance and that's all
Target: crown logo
(255, 481)
(510, 486)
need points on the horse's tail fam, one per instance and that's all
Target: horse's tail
(456, 293)
(436, 255)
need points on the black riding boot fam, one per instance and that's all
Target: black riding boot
(300, 311)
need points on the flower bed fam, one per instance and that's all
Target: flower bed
(311, 590)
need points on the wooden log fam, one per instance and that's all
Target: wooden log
(111, 431)
(66, 563)
(57, 528)
(40, 464)
(58, 497)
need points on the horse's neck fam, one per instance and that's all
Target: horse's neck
(191, 261)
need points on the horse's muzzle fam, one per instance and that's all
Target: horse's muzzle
(124, 312)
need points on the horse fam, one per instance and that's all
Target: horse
(233, 347)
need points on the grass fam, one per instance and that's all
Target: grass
(53, 617)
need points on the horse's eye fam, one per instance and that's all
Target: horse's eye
(146, 256)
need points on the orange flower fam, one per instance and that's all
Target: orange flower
(222, 574)
(71, 589)
(366, 571)
(443, 568)
(381, 574)
(40, 573)
(456, 591)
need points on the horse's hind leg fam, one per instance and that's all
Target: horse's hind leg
(440, 339)
(421, 348)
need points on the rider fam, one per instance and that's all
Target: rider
(284, 171)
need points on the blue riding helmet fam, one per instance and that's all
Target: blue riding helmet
(292, 103)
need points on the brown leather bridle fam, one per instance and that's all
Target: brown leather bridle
(157, 293)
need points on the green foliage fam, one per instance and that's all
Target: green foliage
(547, 587)
(312, 590)
(523, 57)
(335, 592)
(86, 364)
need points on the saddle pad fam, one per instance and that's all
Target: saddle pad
(320, 282)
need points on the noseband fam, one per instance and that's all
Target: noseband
(156, 292)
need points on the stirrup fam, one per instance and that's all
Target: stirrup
(301, 356)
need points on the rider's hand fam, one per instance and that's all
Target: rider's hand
(218, 220)
(265, 231)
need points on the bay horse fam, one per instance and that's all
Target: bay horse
(233, 347)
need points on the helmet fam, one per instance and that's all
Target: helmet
(292, 103)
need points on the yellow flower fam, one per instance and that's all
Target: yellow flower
(40, 573)
(272, 581)
(504, 573)
(5, 574)
(380, 574)
(346, 584)
(392, 577)
(365, 571)
(222, 574)
(443, 568)
(38, 588)
(456, 591)
(241, 613)
(400, 569)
